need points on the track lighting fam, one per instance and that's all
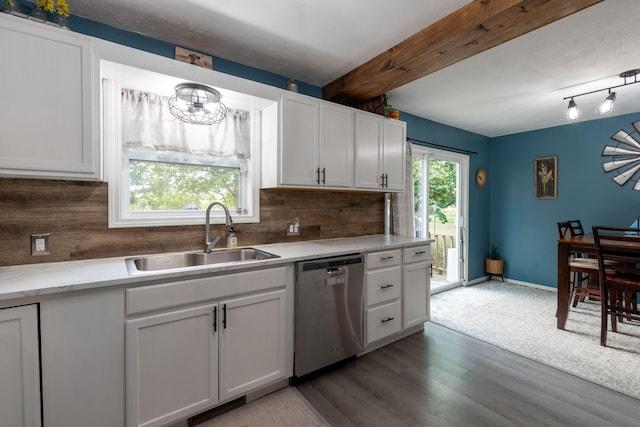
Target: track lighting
(573, 113)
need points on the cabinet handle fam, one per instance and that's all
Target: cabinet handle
(215, 319)
(224, 316)
(431, 270)
(324, 176)
(318, 175)
(388, 319)
(388, 285)
(421, 252)
(386, 180)
(385, 258)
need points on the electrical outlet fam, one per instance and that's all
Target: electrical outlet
(293, 228)
(40, 244)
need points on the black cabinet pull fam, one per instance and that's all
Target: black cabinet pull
(318, 175)
(385, 258)
(388, 319)
(431, 270)
(224, 316)
(421, 252)
(324, 176)
(215, 319)
(388, 285)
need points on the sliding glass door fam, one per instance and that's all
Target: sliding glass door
(440, 192)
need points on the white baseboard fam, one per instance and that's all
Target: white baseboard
(515, 282)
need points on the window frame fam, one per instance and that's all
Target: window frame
(120, 216)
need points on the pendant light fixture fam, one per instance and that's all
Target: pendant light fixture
(197, 104)
(573, 113)
(606, 107)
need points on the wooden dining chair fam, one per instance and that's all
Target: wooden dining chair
(618, 252)
(582, 270)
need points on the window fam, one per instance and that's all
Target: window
(165, 172)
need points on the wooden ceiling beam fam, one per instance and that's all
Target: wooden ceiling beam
(474, 28)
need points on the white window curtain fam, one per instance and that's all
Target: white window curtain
(147, 122)
(402, 215)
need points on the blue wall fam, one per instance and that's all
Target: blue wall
(523, 228)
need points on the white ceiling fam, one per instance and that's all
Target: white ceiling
(515, 87)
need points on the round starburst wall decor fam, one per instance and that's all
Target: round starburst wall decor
(624, 157)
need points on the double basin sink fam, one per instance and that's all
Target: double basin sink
(186, 260)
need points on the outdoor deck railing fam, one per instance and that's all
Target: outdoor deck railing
(442, 242)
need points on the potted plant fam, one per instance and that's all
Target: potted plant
(493, 265)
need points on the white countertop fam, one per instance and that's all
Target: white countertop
(54, 277)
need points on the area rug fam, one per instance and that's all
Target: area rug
(521, 319)
(285, 407)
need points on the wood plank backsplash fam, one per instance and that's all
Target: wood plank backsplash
(75, 213)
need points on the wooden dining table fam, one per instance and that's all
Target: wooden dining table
(578, 244)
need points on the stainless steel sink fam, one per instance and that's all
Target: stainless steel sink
(194, 259)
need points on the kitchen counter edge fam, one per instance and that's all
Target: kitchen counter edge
(30, 280)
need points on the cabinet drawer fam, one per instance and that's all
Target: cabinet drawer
(154, 297)
(384, 259)
(383, 285)
(418, 253)
(383, 321)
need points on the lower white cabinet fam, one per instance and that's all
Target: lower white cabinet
(398, 291)
(189, 359)
(19, 367)
(252, 343)
(172, 365)
(416, 285)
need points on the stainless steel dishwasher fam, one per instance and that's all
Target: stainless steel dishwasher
(329, 312)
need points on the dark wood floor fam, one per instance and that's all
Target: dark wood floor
(443, 378)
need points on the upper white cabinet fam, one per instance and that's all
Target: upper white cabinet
(316, 146)
(19, 367)
(379, 153)
(48, 118)
(321, 144)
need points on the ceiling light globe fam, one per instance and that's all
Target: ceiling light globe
(573, 112)
(607, 105)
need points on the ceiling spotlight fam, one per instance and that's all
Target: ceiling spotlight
(197, 104)
(573, 112)
(607, 105)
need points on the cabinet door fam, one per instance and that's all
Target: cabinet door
(48, 117)
(300, 116)
(368, 140)
(172, 365)
(19, 367)
(394, 151)
(336, 145)
(252, 342)
(416, 292)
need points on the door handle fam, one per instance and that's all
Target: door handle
(224, 316)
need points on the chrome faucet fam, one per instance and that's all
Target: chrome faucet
(208, 243)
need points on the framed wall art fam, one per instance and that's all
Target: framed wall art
(546, 177)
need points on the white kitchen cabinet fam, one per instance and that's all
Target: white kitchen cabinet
(209, 347)
(252, 342)
(380, 150)
(48, 118)
(316, 146)
(172, 365)
(384, 290)
(19, 367)
(416, 285)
